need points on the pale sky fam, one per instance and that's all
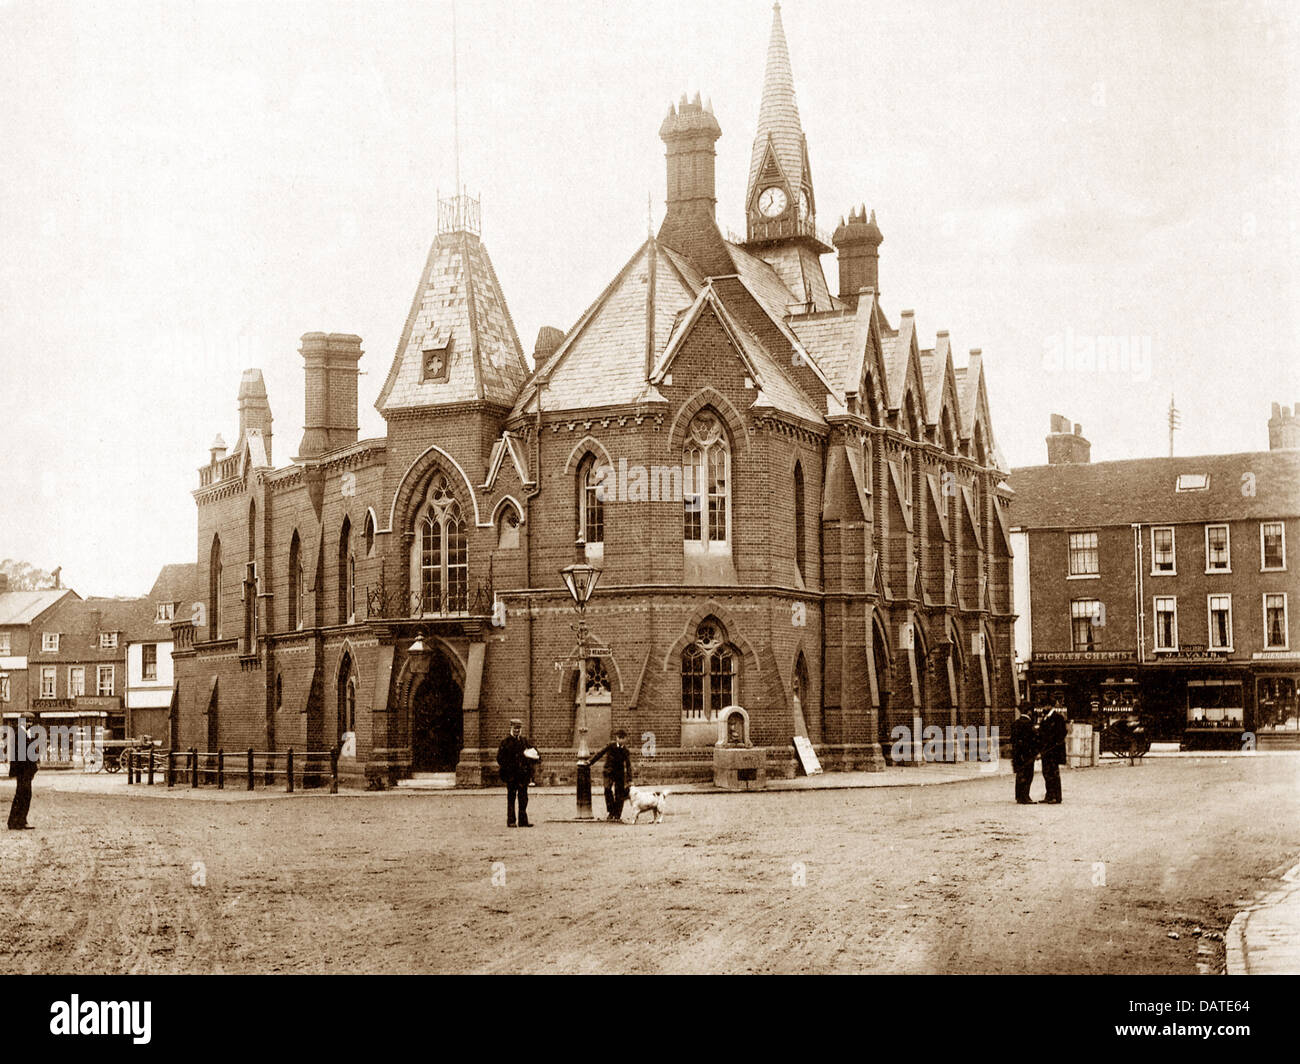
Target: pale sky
(190, 187)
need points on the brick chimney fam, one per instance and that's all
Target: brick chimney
(690, 225)
(255, 408)
(331, 398)
(1066, 445)
(858, 241)
(1284, 428)
(549, 339)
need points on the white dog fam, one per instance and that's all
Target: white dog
(645, 800)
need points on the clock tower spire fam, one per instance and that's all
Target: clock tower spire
(779, 204)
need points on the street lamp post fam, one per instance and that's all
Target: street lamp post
(581, 581)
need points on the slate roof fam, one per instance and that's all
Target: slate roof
(778, 114)
(23, 607)
(459, 300)
(1142, 490)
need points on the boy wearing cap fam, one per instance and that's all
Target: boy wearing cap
(618, 774)
(516, 772)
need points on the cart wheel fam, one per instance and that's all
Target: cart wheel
(95, 760)
(113, 763)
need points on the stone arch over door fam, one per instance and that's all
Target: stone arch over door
(435, 712)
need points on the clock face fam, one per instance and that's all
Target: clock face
(772, 203)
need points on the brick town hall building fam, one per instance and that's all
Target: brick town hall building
(796, 507)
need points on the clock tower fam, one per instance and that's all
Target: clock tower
(780, 206)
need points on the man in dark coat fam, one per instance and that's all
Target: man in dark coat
(1024, 748)
(22, 766)
(1051, 737)
(516, 772)
(618, 774)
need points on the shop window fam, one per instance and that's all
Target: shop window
(1215, 704)
(1276, 705)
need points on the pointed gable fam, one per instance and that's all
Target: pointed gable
(459, 342)
(605, 358)
(941, 397)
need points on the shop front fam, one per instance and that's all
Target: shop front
(1275, 683)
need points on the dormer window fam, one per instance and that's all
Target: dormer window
(50, 642)
(166, 612)
(1192, 482)
(107, 640)
(437, 357)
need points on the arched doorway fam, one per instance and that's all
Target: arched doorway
(437, 725)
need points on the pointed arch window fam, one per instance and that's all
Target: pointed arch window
(907, 479)
(251, 581)
(710, 679)
(441, 552)
(800, 557)
(347, 579)
(369, 534)
(801, 682)
(868, 464)
(297, 616)
(214, 589)
(706, 482)
(508, 528)
(591, 503)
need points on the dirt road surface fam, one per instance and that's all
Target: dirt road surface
(953, 878)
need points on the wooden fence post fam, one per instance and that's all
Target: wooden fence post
(171, 769)
(334, 771)
(289, 769)
(250, 768)
(151, 766)
(127, 754)
(221, 770)
(194, 767)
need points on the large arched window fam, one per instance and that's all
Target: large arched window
(442, 552)
(214, 589)
(347, 576)
(706, 482)
(709, 672)
(800, 557)
(296, 614)
(591, 504)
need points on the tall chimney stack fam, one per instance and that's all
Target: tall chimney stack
(330, 367)
(858, 241)
(1284, 428)
(690, 224)
(1066, 444)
